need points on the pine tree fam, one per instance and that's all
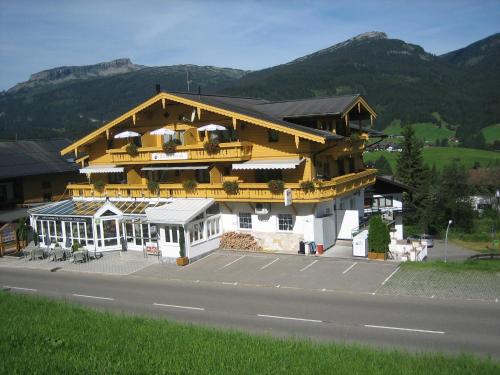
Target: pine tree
(383, 166)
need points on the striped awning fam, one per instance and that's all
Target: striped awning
(269, 164)
(103, 168)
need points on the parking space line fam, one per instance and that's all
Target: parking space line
(268, 264)
(19, 288)
(289, 318)
(234, 261)
(179, 307)
(404, 329)
(349, 268)
(309, 265)
(199, 260)
(391, 275)
(93, 297)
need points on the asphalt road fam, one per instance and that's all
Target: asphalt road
(382, 321)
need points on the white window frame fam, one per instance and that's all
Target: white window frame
(249, 223)
(280, 217)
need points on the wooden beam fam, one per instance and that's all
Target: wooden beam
(347, 119)
(107, 133)
(371, 120)
(297, 141)
(163, 103)
(235, 122)
(359, 107)
(134, 118)
(76, 152)
(198, 112)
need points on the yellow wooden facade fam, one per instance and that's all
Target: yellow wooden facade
(249, 141)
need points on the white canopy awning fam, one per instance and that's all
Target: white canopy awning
(179, 211)
(103, 168)
(190, 167)
(269, 164)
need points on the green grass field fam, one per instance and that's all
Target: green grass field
(468, 265)
(441, 156)
(426, 131)
(39, 336)
(492, 133)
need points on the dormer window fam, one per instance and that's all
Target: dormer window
(272, 135)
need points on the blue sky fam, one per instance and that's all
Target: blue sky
(42, 34)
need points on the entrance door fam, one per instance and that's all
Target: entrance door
(169, 236)
(108, 233)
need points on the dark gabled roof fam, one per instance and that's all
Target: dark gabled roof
(307, 107)
(251, 107)
(386, 185)
(30, 158)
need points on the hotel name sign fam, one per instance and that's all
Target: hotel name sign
(165, 156)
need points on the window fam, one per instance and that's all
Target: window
(172, 234)
(285, 222)
(245, 220)
(213, 227)
(272, 135)
(352, 167)
(341, 167)
(3, 193)
(202, 176)
(117, 178)
(179, 136)
(196, 232)
(265, 175)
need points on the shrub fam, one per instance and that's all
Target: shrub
(182, 243)
(171, 146)
(189, 185)
(132, 149)
(276, 186)
(153, 187)
(308, 186)
(76, 246)
(378, 236)
(230, 187)
(211, 146)
(99, 185)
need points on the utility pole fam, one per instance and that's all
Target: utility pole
(446, 241)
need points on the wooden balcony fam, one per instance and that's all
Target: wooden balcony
(229, 151)
(346, 147)
(248, 192)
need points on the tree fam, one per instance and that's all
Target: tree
(383, 166)
(378, 236)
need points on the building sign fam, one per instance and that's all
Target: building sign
(287, 195)
(173, 156)
(152, 248)
(63, 218)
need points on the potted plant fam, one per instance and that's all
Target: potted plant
(231, 187)
(182, 260)
(76, 246)
(21, 233)
(99, 185)
(211, 146)
(132, 150)
(307, 186)
(171, 146)
(189, 185)
(378, 239)
(276, 186)
(153, 187)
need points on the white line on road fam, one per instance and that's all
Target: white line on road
(350, 267)
(289, 318)
(229, 283)
(180, 307)
(19, 288)
(391, 275)
(94, 297)
(234, 261)
(309, 265)
(404, 329)
(268, 264)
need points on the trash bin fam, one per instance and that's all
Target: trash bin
(320, 248)
(302, 247)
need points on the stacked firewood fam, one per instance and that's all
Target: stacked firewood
(239, 241)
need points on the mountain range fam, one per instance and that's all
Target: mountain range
(401, 81)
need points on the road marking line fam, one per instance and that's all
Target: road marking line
(94, 297)
(229, 283)
(289, 318)
(309, 265)
(234, 261)
(404, 329)
(349, 268)
(19, 288)
(180, 307)
(391, 275)
(268, 264)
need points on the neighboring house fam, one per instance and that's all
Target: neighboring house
(385, 197)
(143, 196)
(33, 172)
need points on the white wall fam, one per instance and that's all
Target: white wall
(197, 250)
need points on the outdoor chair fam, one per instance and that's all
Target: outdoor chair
(59, 255)
(78, 256)
(37, 254)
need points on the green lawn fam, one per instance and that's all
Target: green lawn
(425, 130)
(468, 265)
(441, 156)
(39, 336)
(492, 133)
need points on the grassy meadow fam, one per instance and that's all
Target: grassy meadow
(39, 336)
(467, 265)
(426, 131)
(440, 156)
(492, 133)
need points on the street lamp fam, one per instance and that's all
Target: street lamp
(446, 240)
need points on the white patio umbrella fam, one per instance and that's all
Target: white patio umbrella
(127, 134)
(211, 128)
(162, 131)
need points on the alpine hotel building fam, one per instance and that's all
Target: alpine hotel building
(284, 171)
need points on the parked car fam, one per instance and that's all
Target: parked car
(424, 239)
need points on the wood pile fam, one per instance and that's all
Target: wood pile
(239, 241)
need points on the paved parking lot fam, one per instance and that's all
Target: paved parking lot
(278, 270)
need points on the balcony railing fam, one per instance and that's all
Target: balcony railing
(347, 147)
(229, 151)
(247, 192)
